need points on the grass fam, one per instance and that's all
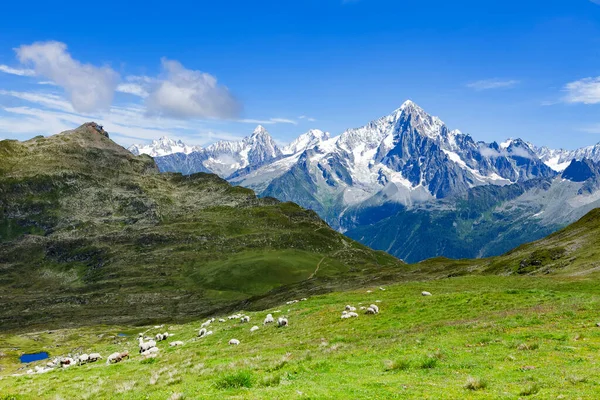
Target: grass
(461, 343)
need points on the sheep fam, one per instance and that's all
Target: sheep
(351, 314)
(202, 332)
(344, 312)
(369, 291)
(234, 342)
(382, 289)
(66, 362)
(245, 319)
(374, 307)
(158, 326)
(150, 352)
(254, 328)
(205, 324)
(370, 311)
(303, 299)
(425, 293)
(146, 345)
(42, 370)
(83, 359)
(363, 308)
(163, 336)
(209, 333)
(281, 322)
(350, 308)
(268, 319)
(117, 357)
(176, 343)
(221, 320)
(95, 357)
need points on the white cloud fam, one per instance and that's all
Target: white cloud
(310, 119)
(133, 88)
(16, 71)
(487, 84)
(185, 93)
(89, 87)
(586, 91)
(269, 121)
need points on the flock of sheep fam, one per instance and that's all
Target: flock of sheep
(148, 346)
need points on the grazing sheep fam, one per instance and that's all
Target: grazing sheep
(42, 370)
(205, 324)
(382, 288)
(202, 332)
(351, 314)
(95, 357)
(303, 299)
(150, 352)
(254, 328)
(176, 343)
(350, 308)
(281, 322)
(117, 357)
(344, 312)
(67, 362)
(84, 358)
(221, 320)
(160, 337)
(425, 294)
(268, 319)
(374, 307)
(245, 319)
(370, 311)
(146, 345)
(209, 333)
(234, 342)
(363, 308)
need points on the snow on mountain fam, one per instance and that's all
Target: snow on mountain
(559, 159)
(162, 147)
(225, 158)
(305, 141)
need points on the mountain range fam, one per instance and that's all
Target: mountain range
(470, 198)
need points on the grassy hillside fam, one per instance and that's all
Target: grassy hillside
(481, 337)
(90, 233)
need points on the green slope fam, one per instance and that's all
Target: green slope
(90, 233)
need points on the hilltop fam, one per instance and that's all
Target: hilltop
(90, 233)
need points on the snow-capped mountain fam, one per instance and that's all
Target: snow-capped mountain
(406, 157)
(162, 147)
(225, 158)
(559, 159)
(306, 141)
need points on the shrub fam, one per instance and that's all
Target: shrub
(241, 379)
(429, 363)
(474, 383)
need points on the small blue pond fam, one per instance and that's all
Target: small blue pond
(27, 358)
(122, 334)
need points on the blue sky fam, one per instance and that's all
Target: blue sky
(203, 71)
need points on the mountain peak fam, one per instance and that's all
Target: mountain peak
(259, 130)
(92, 127)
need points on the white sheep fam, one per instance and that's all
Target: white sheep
(303, 299)
(209, 333)
(202, 332)
(84, 358)
(268, 319)
(369, 291)
(245, 319)
(151, 351)
(254, 328)
(382, 289)
(234, 342)
(117, 357)
(146, 345)
(281, 322)
(95, 357)
(350, 308)
(370, 311)
(350, 314)
(66, 362)
(221, 320)
(374, 307)
(176, 343)
(363, 308)
(425, 294)
(205, 324)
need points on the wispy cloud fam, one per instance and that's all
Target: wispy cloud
(269, 121)
(16, 71)
(488, 84)
(586, 91)
(310, 119)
